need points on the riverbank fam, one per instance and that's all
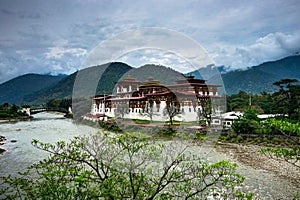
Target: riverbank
(16, 119)
(267, 178)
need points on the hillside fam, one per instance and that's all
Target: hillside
(36, 89)
(258, 78)
(158, 72)
(14, 90)
(261, 78)
(86, 81)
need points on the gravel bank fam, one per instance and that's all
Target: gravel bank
(265, 177)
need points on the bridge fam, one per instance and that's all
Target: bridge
(32, 111)
(37, 110)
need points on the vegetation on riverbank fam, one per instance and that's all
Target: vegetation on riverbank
(133, 165)
(9, 112)
(124, 166)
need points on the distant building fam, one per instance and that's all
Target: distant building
(26, 109)
(229, 117)
(133, 97)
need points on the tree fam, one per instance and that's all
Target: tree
(5, 106)
(122, 109)
(239, 101)
(288, 98)
(261, 102)
(205, 111)
(148, 111)
(65, 104)
(247, 123)
(53, 104)
(171, 110)
(290, 130)
(125, 166)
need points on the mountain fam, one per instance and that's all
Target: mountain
(36, 89)
(161, 73)
(261, 78)
(14, 90)
(255, 79)
(84, 83)
(87, 82)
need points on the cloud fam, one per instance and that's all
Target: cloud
(270, 47)
(164, 40)
(54, 36)
(158, 57)
(59, 52)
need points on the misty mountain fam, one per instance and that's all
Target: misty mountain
(257, 78)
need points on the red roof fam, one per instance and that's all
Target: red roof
(191, 84)
(130, 98)
(158, 93)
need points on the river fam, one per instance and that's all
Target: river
(51, 127)
(46, 127)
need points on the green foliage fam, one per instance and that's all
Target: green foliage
(10, 111)
(285, 101)
(89, 82)
(206, 112)
(106, 166)
(171, 111)
(262, 103)
(283, 127)
(165, 75)
(292, 130)
(14, 90)
(167, 132)
(260, 78)
(250, 114)
(248, 123)
(288, 98)
(141, 121)
(59, 104)
(110, 126)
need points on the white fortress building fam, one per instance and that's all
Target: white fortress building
(134, 99)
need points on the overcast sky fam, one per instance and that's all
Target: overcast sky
(56, 36)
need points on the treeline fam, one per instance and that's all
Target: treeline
(285, 101)
(8, 111)
(59, 104)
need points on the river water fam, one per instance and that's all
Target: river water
(51, 127)
(46, 127)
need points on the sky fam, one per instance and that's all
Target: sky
(57, 36)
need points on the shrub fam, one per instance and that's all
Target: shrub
(106, 166)
(167, 132)
(239, 139)
(245, 126)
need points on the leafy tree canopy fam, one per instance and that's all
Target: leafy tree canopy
(123, 166)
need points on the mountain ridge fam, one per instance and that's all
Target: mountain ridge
(258, 78)
(15, 89)
(254, 79)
